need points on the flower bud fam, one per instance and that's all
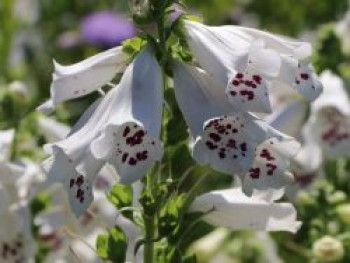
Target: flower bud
(19, 90)
(139, 7)
(343, 212)
(337, 197)
(328, 249)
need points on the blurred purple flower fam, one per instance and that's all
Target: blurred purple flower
(106, 29)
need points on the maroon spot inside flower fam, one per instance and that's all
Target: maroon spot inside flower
(234, 130)
(257, 79)
(80, 181)
(239, 75)
(235, 82)
(132, 161)
(126, 131)
(124, 157)
(304, 76)
(243, 147)
(231, 143)
(233, 93)
(211, 145)
(222, 155)
(215, 137)
(71, 183)
(271, 168)
(267, 155)
(249, 94)
(254, 173)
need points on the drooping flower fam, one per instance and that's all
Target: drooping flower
(247, 62)
(121, 129)
(231, 141)
(16, 241)
(231, 208)
(106, 29)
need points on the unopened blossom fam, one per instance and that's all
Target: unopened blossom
(231, 208)
(328, 249)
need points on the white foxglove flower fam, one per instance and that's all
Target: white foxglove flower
(82, 78)
(16, 241)
(330, 118)
(123, 130)
(231, 208)
(248, 61)
(226, 140)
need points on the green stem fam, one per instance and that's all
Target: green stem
(150, 220)
(149, 237)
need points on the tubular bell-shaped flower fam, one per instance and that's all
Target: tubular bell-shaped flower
(80, 79)
(123, 130)
(330, 118)
(248, 61)
(231, 208)
(227, 140)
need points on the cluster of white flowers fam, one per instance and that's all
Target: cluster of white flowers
(224, 98)
(18, 184)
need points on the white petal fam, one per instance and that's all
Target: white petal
(6, 139)
(78, 186)
(309, 158)
(232, 209)
(249, 92)
(5, 200)
(47, 107)
(290, 118)
(82, 78)
(270, 169)
(199, 97)
(332, 131)
(334, 94)
(10, 173)
(297, 49)
(129, 149)
(223, 53)
(217, 53)
(130, 140)
(306, 81)
(52, 130)
(228, 143)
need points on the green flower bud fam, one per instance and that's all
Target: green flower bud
(337, 197)
(343, 212)
(305, 199)
(328, 249)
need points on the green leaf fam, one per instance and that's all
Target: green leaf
(171, 214)
(133, 46)
(112, 246)
(102, 246)
(121, 197)
(117, 245)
